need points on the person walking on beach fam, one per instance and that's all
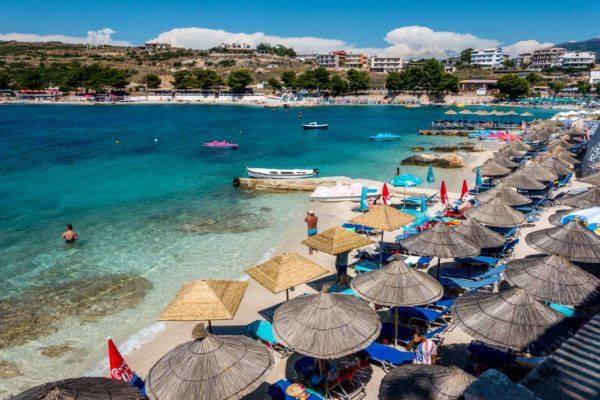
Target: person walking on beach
(425, 350)
(311, 226)
(70, 235)
(341, 268)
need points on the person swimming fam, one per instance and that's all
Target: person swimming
(70, 235)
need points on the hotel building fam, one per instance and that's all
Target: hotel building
(577, 59)
(546, 58)
(386, 64)
(487, 58)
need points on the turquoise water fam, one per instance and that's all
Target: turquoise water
(154, 211)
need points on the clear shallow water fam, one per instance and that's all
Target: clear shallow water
(153, 214)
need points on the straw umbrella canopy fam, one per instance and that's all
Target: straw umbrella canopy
(86, 388)
(510, 318)
(442, 242)
(424, 382)
(285, 271)
(519, 145)
(511, 152)
(397, 285)
(539, 173)
(588, 199)
(535, 136)
(505, 194)
(466, 112)
(520, 180)
(554, 279)
(482, 112)
(511, 112)
(593, 179)
(384, 217)
(573, 241)
(450, 112)
(210, 367)
(496, 213)
(205, 300)
(503, 160)
(336, 240)
(556, 167)
(567, 157)
(491, 168)
(563, 143)
(526, 114)
(479, 234)
(556, 218)
(326, 325)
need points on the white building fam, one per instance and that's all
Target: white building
(386, 64)
(577, 59)
(487, 58)
(307, 57)
(595, 76)
(328, 61)
(546, 58)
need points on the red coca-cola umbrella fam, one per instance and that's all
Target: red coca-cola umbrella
(443, 193)
(465, 189)
(385, 193)
(119, 370)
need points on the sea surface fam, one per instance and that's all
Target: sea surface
(153, 210)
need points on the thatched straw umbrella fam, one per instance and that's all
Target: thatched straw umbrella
(285, 271)
(556, 218)
(562, 155)
(505, 193)
(535, 136)
(554, 279)
(562, 143)
(336, 240)
(573, 241)
(210, 367)
(397, 285)
(510, 318)
(326, 325)
(593, 179)
(520, 180)
(479, 234)
(491, 168)
(82, 389)
(205, 300)
(466, 112)
(511, 152)
(442, 242)
(527, 114)
(556, 167)
(539, 173)
(450, 112)
(424, 382)
(588, 199)
(385, 218)
(496, 213)
(505, 162)
(519, 145)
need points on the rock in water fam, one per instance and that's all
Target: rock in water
(56, 350)
(418, 148)
(9, 370)
(446, 161)
(463, 146)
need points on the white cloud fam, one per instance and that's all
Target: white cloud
(524, 46)
(203, 38)
(101, 36)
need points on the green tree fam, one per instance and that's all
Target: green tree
(533, 78)
(556, 87)
(339, 86)
(275, 84)
(584, 87)
(31, 79)
(207, 79)
(513, 86)
(394, 82)
(152, 81)
(357, 80)
(288, 78)
(321, 77)
(239, 79)
(509, 63)
(450, 83)
(597, 87)
(4, 79)
(183, 80)
(465, 55)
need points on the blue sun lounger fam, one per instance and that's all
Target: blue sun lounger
(445, 303)
(469, 284)
(421, 313)
(348, 291)
(388, 356)
(277, 391)
(263, 331)
(405, 333)
(476, 274)
(366, 266)
(491, 259)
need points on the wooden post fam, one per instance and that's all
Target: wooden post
(210, 327)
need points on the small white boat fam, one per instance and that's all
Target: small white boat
(315, 125)
(342, 193)
(271, 173)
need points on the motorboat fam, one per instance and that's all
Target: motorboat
(381, 137)
(272, 173)
(315, 125)
(342, 192)
(215, 144)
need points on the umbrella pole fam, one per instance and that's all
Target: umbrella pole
(381, 250)
(209, 327)
(287, 294)
(396, 328)
(438, 269)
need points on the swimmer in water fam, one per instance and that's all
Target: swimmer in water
(117, 141)
(70, 235)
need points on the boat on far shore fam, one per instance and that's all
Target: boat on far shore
(385, 137)
(315, 125)
(215, 144)
(274, 173)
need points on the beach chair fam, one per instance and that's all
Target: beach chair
(492, 259)
(366, 266)
(470, 284)
(476, 274)
(493, 356)
(564, 181)
(445, 303)
(405, 333)
(361, 229)
(388, 357)
(427, 315)
(277, 391)
(335, 289)
(263, 332)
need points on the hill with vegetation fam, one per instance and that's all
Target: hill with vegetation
(585, 45)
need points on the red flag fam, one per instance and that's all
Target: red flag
(464, 190)
(443, 193)
(119, 370)
(385, 193)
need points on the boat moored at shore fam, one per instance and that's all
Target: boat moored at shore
(273, 173)
(315, 125)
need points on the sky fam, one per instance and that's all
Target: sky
(407, 28)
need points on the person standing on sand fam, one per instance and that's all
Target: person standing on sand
(425, 350)
(70, 235)
(341, 268)
(311, 226)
